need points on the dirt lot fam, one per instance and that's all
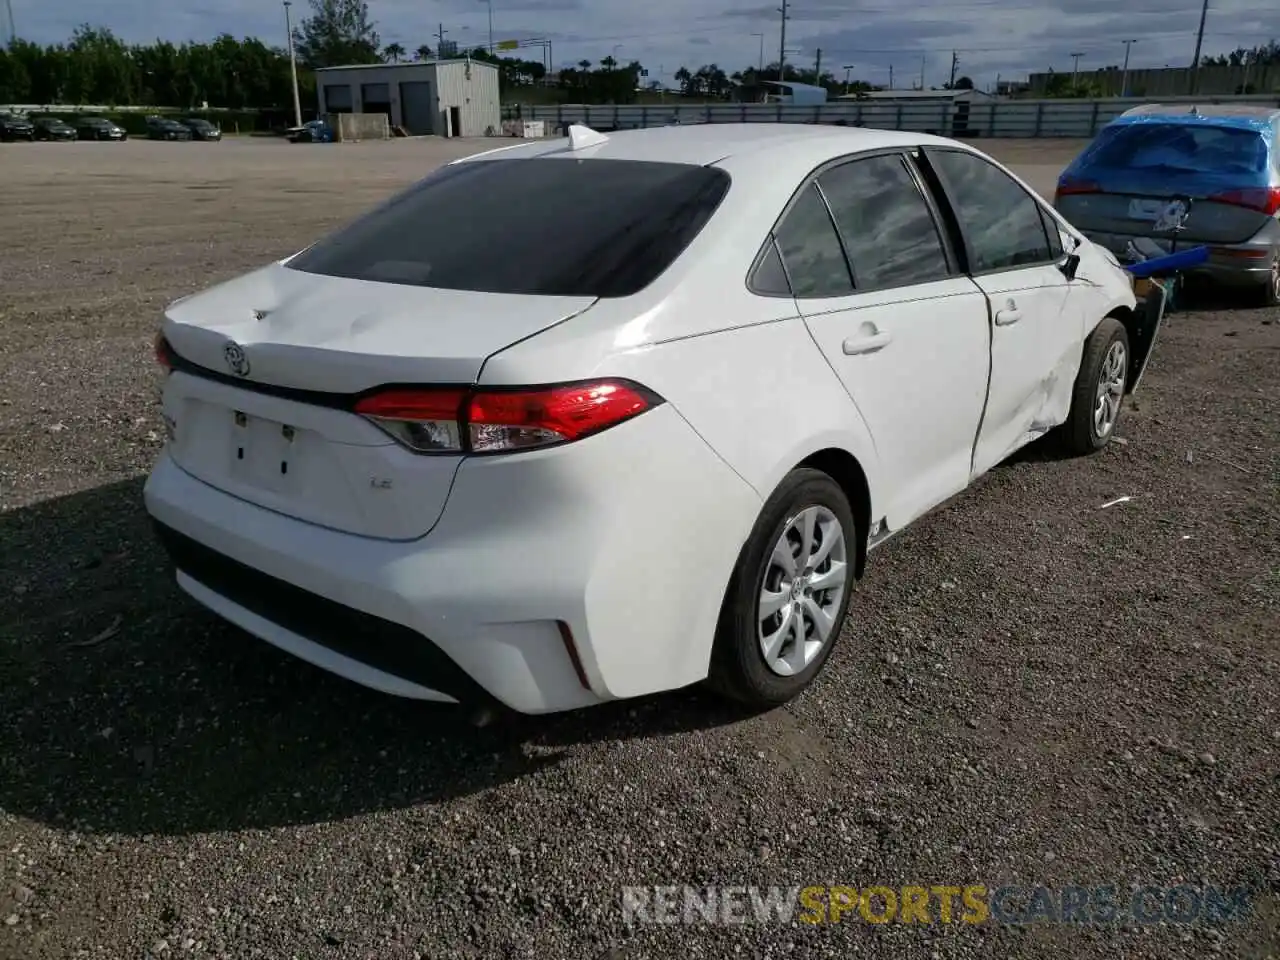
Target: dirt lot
(1030, 689)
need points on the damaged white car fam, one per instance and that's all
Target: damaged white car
(586, 419)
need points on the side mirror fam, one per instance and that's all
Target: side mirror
(1069, 265)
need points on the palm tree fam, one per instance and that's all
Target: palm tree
(608, 63)
(684, 78)
(422, 53)
(393, 52)
(585, 65)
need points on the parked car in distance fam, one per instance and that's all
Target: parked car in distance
(469, 465)
(313, 131)
(202, 129)
(16, 127)
(162, 128)
(53, 128)
(99, 128)
(1224, 159)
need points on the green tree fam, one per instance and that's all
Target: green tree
(337, 33)
(393, 52)
(423, 53)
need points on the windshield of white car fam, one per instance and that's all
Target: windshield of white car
(542, 226)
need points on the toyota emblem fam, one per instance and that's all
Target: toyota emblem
(237, 362)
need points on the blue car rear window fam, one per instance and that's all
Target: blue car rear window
(1183, 147)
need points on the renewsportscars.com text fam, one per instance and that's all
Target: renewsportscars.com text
(969, 904)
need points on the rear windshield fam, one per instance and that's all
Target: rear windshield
(545, 226)
(1183, 147)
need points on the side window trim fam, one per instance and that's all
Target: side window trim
(911, 158)
(945, 189)
(835, 225)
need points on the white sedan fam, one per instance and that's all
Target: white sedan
(586, 419)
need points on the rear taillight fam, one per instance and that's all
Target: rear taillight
(1072, 186)
(430, 420)
(1263, 199)
(164, 355)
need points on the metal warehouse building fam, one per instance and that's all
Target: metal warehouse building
(448, 98)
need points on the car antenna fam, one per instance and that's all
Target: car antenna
(581, 137)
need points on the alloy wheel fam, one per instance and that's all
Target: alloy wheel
(1110, 389)
(802, 590)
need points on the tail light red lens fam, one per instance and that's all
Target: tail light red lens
(164, 356)
(1071, 186)
(432, 420)
(1263, 199)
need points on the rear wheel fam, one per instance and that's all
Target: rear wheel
(1271, 292)
(789, 594)
(1098, 395)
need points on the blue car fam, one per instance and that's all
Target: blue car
(1221, 161)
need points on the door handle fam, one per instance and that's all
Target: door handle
(867, 343)
(1006, 317)
(1010, 313)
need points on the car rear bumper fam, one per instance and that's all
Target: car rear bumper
(1234, 265)
(554, 580)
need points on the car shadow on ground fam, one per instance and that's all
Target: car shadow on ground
(131, 710)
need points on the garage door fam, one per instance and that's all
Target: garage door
(416, 107)
(337, 98)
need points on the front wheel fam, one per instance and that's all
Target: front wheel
(787, 600)
(1098, 395)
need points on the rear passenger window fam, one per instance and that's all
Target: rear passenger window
(1000, 219)
(886, 224)
(811, 249)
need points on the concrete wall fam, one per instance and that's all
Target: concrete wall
(349, 127)
(997, 118)
(473, 88)
(1173, 81)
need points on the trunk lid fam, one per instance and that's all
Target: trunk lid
(1128, 202)
(272, 425)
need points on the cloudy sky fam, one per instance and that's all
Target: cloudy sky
(991, 37)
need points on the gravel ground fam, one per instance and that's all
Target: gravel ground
(1030, 689)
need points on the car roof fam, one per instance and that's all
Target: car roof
(709, 143)
(1244, 116)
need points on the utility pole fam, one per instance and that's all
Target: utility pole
(847, 68)
(817, 67)
(955, 62)
(760, 69)
(1075, 69)
(293, 65)
(891, 76)
(1124, 74)
(782, 43)
(489, 4)
(922, 62)
(13, 27)
(1194, 81)
(440, 42)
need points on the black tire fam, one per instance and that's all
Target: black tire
(1080, 434)
(1270, 294)
(738, 668)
